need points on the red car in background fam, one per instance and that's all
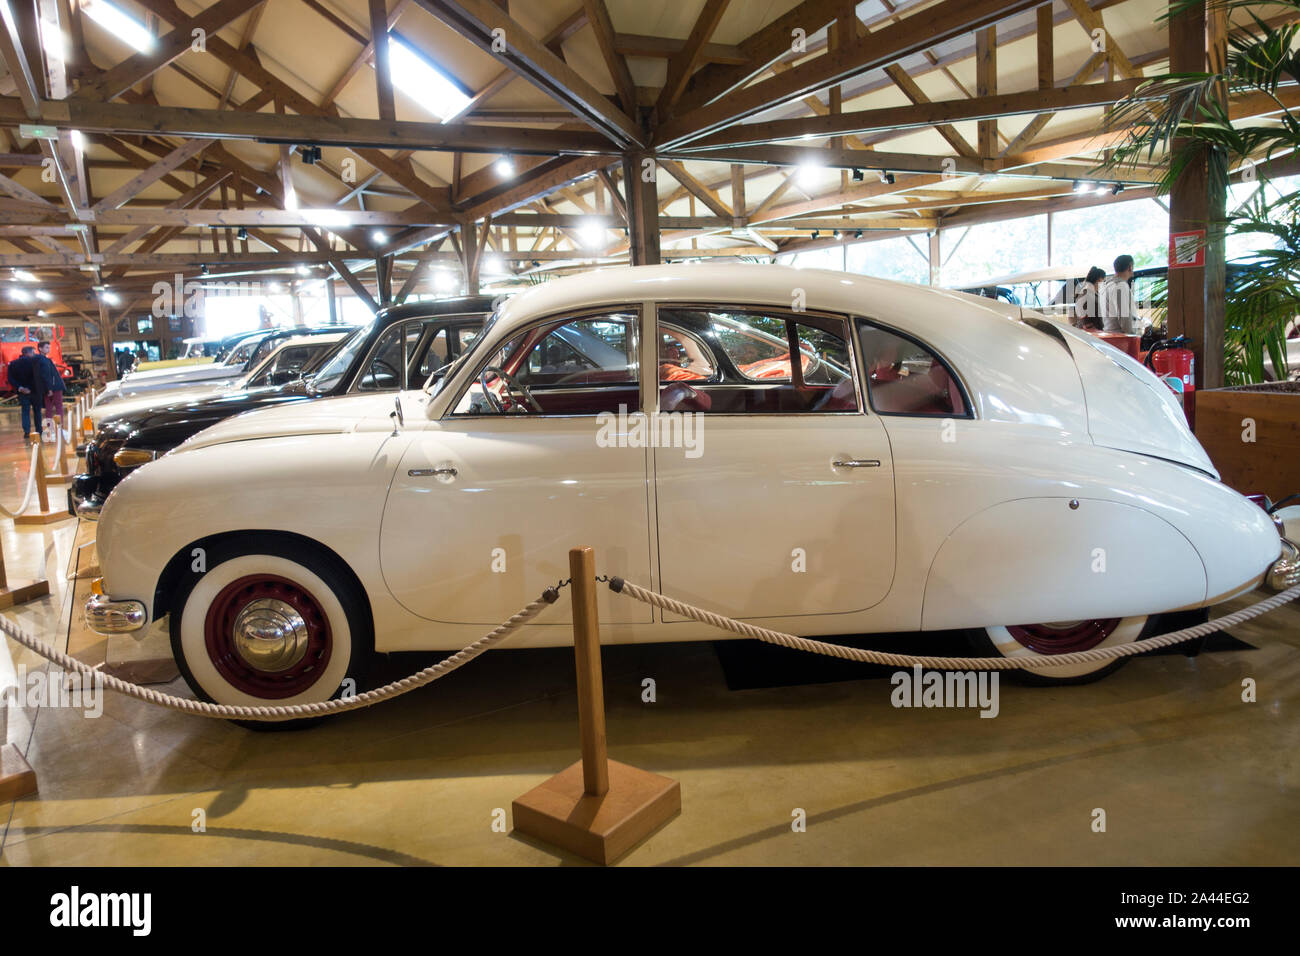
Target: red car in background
(15, 336)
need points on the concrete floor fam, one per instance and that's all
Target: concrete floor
(1187, 773)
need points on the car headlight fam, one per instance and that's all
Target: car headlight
(133, 457)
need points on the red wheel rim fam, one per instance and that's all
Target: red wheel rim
(228, 654)
(1064, 638)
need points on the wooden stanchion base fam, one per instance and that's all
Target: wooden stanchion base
(20, 592)
(17, 778)
(601, 829)
(42, 518)
(60, 479)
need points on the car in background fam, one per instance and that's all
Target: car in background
(1051, 292)
(403, 347)
(283, 364)
(932, 461)
(242, 356)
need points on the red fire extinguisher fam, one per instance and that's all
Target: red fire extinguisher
(1175, 363)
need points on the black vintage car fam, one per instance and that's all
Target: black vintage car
(400, 349)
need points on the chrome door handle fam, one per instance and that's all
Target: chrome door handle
(432, 472)
(858, 463)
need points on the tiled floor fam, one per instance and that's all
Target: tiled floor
(1186, 772)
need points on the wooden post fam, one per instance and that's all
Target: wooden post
(19, 592)
(642, 203)
(1196, 205)
(17, 779)
(44, 515)
(591, 684)
(597, 808)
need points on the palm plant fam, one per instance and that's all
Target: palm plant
(1181, 116)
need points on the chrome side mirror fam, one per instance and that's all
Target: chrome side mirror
(396, 414)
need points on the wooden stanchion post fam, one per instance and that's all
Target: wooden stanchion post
(44, 515)
(19, 592)
(597, 808)
(17, 779)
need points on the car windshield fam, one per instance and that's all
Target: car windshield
(333, 371)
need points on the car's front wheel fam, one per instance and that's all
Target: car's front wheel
(258, 628)
(1061, 637)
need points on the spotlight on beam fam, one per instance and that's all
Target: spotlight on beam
(887, 177)
(1117, 189)
(858, 176)
(241, 234)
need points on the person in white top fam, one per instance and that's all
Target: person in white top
(1117, 312)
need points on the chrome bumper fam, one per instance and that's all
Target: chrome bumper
(1285, 571)
(106, 616)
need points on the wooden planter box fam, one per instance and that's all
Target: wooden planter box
(1269, 465)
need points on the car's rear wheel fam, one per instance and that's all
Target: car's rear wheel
(1061, 637)
(270, 629)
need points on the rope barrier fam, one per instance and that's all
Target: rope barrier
(1098, 654)
(529, 611)
(201, 708)
(31, 486)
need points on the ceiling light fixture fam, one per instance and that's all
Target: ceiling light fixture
(505, 167)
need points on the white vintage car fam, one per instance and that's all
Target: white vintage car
(933, 461)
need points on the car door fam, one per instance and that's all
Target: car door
(783, 503)
(487, 502)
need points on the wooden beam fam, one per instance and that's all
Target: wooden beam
(918, 97)
(357, 133)
(760, 50)
(477, 19)
(1046, 52)
(135, 68)
(383, 66)
(665, 48)
(361, 58)
(696, 188)
(642, 209)
(180, 155)
(925, 114)
(986, 85)
(780, 155)
(685, 62)
(1093, 24)
(251, 68)
(598, 17)
(553, 41)
(934, 25)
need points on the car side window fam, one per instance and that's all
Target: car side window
(904, 377)
(579, 366)
(435, 355)
(386, 365)
(738, 362)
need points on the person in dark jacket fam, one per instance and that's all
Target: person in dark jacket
(49, 383)
(22, 376)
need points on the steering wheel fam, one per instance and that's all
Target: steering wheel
(510, 384)
(387, 366)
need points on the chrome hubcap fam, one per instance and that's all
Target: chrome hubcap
(270, 635)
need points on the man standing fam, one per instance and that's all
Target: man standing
(49, 383)
(1117, 312)
(22, 376)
